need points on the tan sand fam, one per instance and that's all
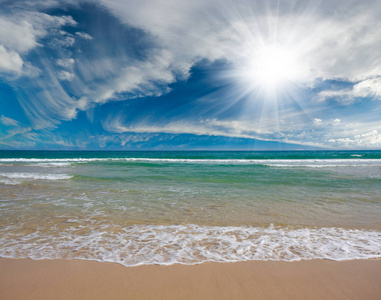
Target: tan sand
(74, 279)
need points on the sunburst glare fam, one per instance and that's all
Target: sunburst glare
(273, 66)
(272, 73)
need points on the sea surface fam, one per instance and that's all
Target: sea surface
(137, 208)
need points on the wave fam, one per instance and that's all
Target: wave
(10, 182)
(50, 160)
(51, 164)
(193, 244)
(322, 165)
(314, 163)
(35, 176)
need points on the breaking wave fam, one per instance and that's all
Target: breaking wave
(314, 163)
(192, 244)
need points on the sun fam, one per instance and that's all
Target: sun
(272, 66)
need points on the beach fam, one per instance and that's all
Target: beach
(190, 225)
(76, 279)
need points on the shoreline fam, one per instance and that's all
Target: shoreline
(80, 279)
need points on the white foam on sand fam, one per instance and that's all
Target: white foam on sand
(191, 244)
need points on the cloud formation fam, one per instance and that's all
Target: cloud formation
(20, 32)
(337, 39)
(66, 57)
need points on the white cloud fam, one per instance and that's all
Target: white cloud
(336, 133)
(10, 61)
(343, 96)
(8, 121)
(61, 42)
(64, 75)
(18, 131)
(337, 40)
(84, 35)
(66, 63)
(348, 134)
(51, 104)
(187, 32)
(367, 140)
(19, 33)
(203, 127)
(368, 88)
(266, 131)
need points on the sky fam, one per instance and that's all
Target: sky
(183, 75)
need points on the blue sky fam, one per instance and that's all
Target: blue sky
(210, 74)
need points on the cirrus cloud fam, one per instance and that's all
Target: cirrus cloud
(65, 57)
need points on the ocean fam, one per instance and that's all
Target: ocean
(189, 207)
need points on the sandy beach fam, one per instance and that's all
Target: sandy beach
(75, 279)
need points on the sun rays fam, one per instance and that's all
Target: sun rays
(273, 66)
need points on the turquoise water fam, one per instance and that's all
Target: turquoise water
(190, 207)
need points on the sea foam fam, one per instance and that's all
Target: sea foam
(192, 244)
(35, 176)
(266, 162)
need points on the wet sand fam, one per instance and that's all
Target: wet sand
(75, 279)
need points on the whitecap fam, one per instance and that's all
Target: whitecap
(36, 176)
